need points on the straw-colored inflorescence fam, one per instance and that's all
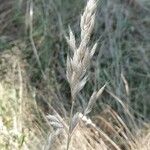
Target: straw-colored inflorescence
(78, 63)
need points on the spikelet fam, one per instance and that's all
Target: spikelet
(93, 99)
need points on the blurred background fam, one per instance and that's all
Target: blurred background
(33, 54)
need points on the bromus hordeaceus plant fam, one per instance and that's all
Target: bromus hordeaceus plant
(78, 63)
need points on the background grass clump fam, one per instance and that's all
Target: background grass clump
(32, 86)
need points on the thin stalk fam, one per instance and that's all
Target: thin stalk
(70, 125)
(32, 40)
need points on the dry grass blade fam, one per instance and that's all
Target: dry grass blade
(107, 138)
